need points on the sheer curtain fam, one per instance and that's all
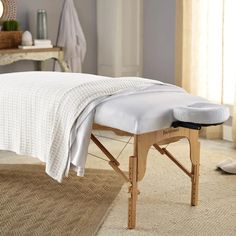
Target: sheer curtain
(206, 51)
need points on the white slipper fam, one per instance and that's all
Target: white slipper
(223, 163)
(230, 168)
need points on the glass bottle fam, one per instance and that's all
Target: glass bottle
(42, 28)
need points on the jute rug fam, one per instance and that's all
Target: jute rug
(31, 203)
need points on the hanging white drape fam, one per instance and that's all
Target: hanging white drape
(71, 37)
(206, 37)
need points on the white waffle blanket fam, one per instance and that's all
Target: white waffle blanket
(38, 110)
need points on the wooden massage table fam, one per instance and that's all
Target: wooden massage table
(152, 133)
(138, 161)
(27, 108)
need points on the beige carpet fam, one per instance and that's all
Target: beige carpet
(163, 205)
(31, 203)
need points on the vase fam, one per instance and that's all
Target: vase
(42, 28)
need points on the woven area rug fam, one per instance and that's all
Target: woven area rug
(31, 203)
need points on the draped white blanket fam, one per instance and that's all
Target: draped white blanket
(38, 110)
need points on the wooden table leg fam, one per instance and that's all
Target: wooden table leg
(133, 192)
(39, 65)
(195, 185)
(195, 159)
(62, 63)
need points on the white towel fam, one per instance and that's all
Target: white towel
(71, 37)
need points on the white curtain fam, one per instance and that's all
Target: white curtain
(206, 41)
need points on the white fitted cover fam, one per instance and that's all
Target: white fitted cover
(144, 112)
(202, 113)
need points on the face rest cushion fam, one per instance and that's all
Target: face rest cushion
(202, 113)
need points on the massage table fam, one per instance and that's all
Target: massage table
(153, 118)
(154, 124)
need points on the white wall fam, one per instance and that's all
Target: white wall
(159, 34)
(159, 40)
(26, 15)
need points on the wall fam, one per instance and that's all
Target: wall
(159, 40)
(26, 15)
(159, 34)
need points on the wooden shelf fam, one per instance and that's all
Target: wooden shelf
(9, 56)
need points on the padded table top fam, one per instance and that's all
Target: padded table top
(143, 112)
